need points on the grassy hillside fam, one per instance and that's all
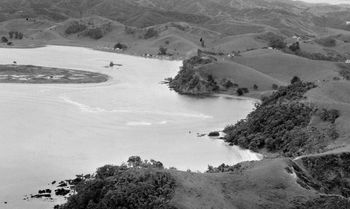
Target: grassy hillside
(308, 120)
(283, 66)
(270, 183)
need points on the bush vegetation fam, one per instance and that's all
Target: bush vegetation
(130, 30)
(274, 86)
(120, 46)
(295, 79)
(269, 126)
(280, 124)
(140, 185)
(239, 92)
(344, 70)
(214, 133)
(94, 33)
(223, 168)
(292, 92)
(150, 33)
(4, 39)
(15, 35)
(327, 42)
(277, 43)
(329, 115)
(162, 51)
(295, 47)
(75, 27)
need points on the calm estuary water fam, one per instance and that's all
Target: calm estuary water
(52, 132)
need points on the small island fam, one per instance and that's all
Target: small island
(47, 75)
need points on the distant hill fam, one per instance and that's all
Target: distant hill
(230, 17)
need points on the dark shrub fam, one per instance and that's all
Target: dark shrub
(214, 133)
(150, 33)
(125, 187)
(278, 43)
(162, 51)
(294, 47)
(75, 27)
(245, 90)
(295, 79)
(240, 92)
(120, 46)
(255, 87)
(344, 70)
(274, 86)
(4, 39)
(327, 42)
(94, 33)
(329, 115)
(130, 30)
(20, 36)
(11, 34)
(228, 84)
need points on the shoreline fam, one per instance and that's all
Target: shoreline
(252, 95)
(97, 47)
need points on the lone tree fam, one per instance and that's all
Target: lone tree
(255, 87)
(162, 51)
(274, 86)
(20, 35)
(295, 47)
(240, 92)
(202, 42)
(4, 39)
(295, 79)
(120, 46)
(11, 33)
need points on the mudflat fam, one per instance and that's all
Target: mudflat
(46, 75)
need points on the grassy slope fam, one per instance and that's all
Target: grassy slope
(335, 95)
(284, 66)
(242, 75)
(264, 184)
(182, 43)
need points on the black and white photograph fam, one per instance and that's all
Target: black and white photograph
(174, 104)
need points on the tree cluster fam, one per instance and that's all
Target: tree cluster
(280, 123)
(15, 35)
(94, 33)
(223, 168)
(292, 92)
(141, 185)
(75, 27)
(269, 126)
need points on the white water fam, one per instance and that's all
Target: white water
(54, 131)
